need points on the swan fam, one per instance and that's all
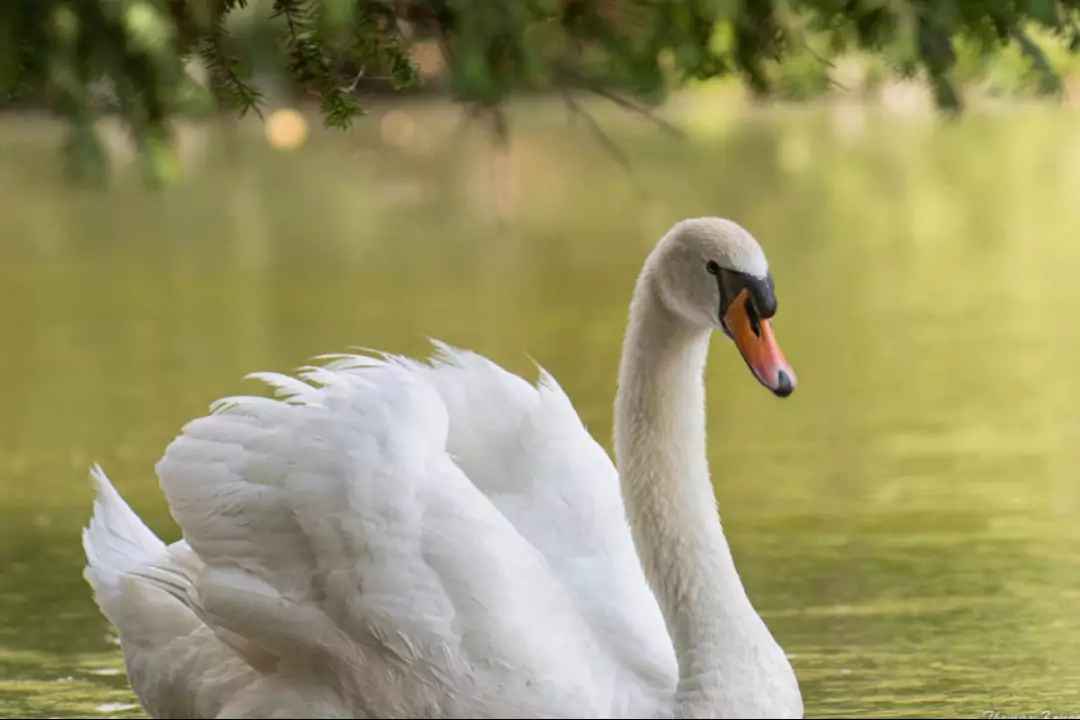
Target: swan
(397, 539)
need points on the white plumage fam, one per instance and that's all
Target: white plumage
(388, 538)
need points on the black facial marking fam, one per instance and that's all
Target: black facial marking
(752, 316)
(762, 303)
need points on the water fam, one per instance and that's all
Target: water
(905, 522)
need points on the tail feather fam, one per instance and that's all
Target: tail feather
(116, 541)
(126, 564)
(119, 546)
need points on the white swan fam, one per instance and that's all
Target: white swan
(397, 539)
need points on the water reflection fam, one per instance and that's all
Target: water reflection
(904, 522)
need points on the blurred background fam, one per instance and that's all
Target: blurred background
(905, 523)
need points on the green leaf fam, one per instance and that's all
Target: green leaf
(1044, 11)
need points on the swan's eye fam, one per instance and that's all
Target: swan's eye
(712, 267)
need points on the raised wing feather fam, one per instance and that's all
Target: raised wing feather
(340, 536)
(525, 447)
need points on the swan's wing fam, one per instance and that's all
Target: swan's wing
(527, 450)
(340, 537)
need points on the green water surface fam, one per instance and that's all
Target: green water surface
(905, 522)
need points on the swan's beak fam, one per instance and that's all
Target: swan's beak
(755, 340)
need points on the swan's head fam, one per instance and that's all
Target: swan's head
(713, 273)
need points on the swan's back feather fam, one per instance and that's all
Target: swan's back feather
(527, 449)
(443, 540)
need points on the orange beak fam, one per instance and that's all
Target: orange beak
(754, 338)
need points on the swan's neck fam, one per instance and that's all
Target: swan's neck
(671, 507)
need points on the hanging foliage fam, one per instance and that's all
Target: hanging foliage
(136, 58)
